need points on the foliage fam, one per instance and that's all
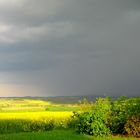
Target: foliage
(125, 116)
(85, 105)
(94, 122)
(105, 116)
(118, 116)
(133, 107)
(132, 126)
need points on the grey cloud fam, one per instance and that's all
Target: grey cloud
(70, 47)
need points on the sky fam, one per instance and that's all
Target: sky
(69, 47)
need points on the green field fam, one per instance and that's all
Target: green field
(38, 119)
(55, 135)
(33, 105)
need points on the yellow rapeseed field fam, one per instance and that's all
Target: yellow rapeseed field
(33, 121)
(31, 115)
(36, 115)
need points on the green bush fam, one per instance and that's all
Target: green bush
(121, 116)
(124, 114)
(72, 123)
(132, 126)
(85, 105)
(118, 116)
(133, 107)
(94, 122)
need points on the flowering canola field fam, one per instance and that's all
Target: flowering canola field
(36, 115)
(33, 121)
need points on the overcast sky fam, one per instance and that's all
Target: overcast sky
(69, 47)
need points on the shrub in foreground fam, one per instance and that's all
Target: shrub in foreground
(118, 116)
(94, 122)
(121, 116)
(132, 126)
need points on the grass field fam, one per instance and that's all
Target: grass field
(33, 105)
(55, 135)
(35, 119)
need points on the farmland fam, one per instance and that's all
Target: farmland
(39, 119)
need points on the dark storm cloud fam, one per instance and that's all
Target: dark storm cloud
(51, 47)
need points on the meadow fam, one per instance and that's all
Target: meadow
(39, 119)
(56, 135)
